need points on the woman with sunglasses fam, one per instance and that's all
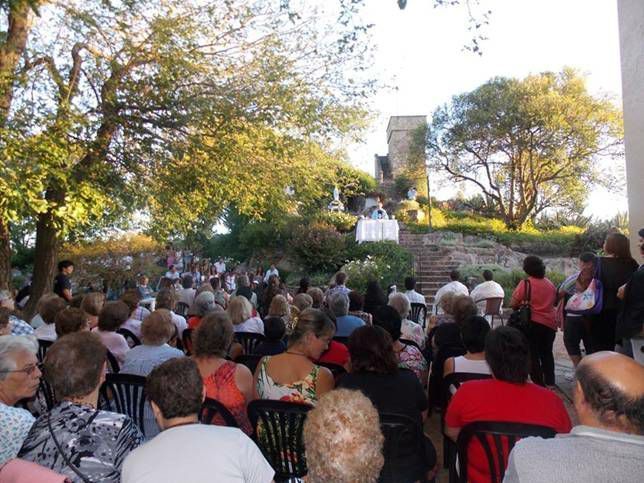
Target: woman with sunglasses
(19, 378)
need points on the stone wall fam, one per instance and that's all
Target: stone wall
(473, 250)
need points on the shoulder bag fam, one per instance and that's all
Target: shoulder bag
(521, 317)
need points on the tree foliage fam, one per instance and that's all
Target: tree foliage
(529, 144)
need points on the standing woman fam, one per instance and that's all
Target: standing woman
(543, 328)
(615, 269)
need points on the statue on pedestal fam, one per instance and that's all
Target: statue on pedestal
(336, 204)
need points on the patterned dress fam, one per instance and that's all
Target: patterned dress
(14, 427)
(220, 385)
(411, 358)
(96, 442)
(302, 391)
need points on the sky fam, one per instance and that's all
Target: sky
(419, 51)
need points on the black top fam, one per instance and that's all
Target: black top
(630, 320)
(270, 348)
(62, 282)
(399, 393)
(614, 273)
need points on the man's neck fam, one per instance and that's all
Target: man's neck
(182, 421)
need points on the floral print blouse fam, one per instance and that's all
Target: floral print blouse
(411, 358)
(299, 391)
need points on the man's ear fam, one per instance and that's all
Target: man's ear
(203, 394)
(158, 415)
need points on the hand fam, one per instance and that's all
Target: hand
(620, 292)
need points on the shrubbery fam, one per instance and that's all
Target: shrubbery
(386, 262)
(318, 247)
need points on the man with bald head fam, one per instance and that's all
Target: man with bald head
(608, 445)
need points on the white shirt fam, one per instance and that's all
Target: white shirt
(254, 324)
(415, 297)
(186, 295)
(379, 214)
(270, 272)
(197, 453)
(486, 290)
(220, 267)
(46, 332)
(172, 275)
(134, 326)
(456, 287)
(180, 322)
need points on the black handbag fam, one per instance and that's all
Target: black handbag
(522, 316)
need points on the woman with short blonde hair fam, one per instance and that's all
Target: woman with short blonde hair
(240, 312)
(343, 419)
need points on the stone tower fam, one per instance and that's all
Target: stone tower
(400, 134)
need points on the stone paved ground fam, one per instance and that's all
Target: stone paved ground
(563, 371)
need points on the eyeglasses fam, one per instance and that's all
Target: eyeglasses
(29, 370)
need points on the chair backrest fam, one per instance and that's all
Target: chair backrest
(46, 394)
(43, 346)
(249, 360)
(214, 412)
(186, 338)
(403, 449)
(249, 340)
(278, 427)
(454, 381)
(337, 370)
(181, 308)
(125, 394)
(497, 439)
(492, 305)
(113, 364)
(409, 342)
(418, 313)
(132, 340)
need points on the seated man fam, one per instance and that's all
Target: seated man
(208, 453)
(345, 323)
(379, 213)
(454, 286)
(508, 397)
(19, 378)
(486, 290)
(413, 296)
(608, 445)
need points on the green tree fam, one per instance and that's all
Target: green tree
(176, 108)
(529, 144)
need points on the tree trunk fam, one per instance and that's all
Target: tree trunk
(44, 262)
(5, 257)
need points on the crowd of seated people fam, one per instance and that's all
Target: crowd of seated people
(306, 344)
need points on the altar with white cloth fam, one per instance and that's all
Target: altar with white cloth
(376, 230)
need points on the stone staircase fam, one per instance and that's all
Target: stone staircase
(432, 263)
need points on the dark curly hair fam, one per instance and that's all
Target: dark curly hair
(372, 350)
(176, 387)
(609, 403)
(508, 355)
(534, 267)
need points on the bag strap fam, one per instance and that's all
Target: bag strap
(62, 453)
(527, 291)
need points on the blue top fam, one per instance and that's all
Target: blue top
(140, 360)
(346, 324)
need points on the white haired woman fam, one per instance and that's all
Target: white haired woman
(409, 330)
(343, 439)
(19, 378)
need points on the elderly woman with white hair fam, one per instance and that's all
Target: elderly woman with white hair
(19, 379)
(409, 330)
(203, 304)
(343, 439)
